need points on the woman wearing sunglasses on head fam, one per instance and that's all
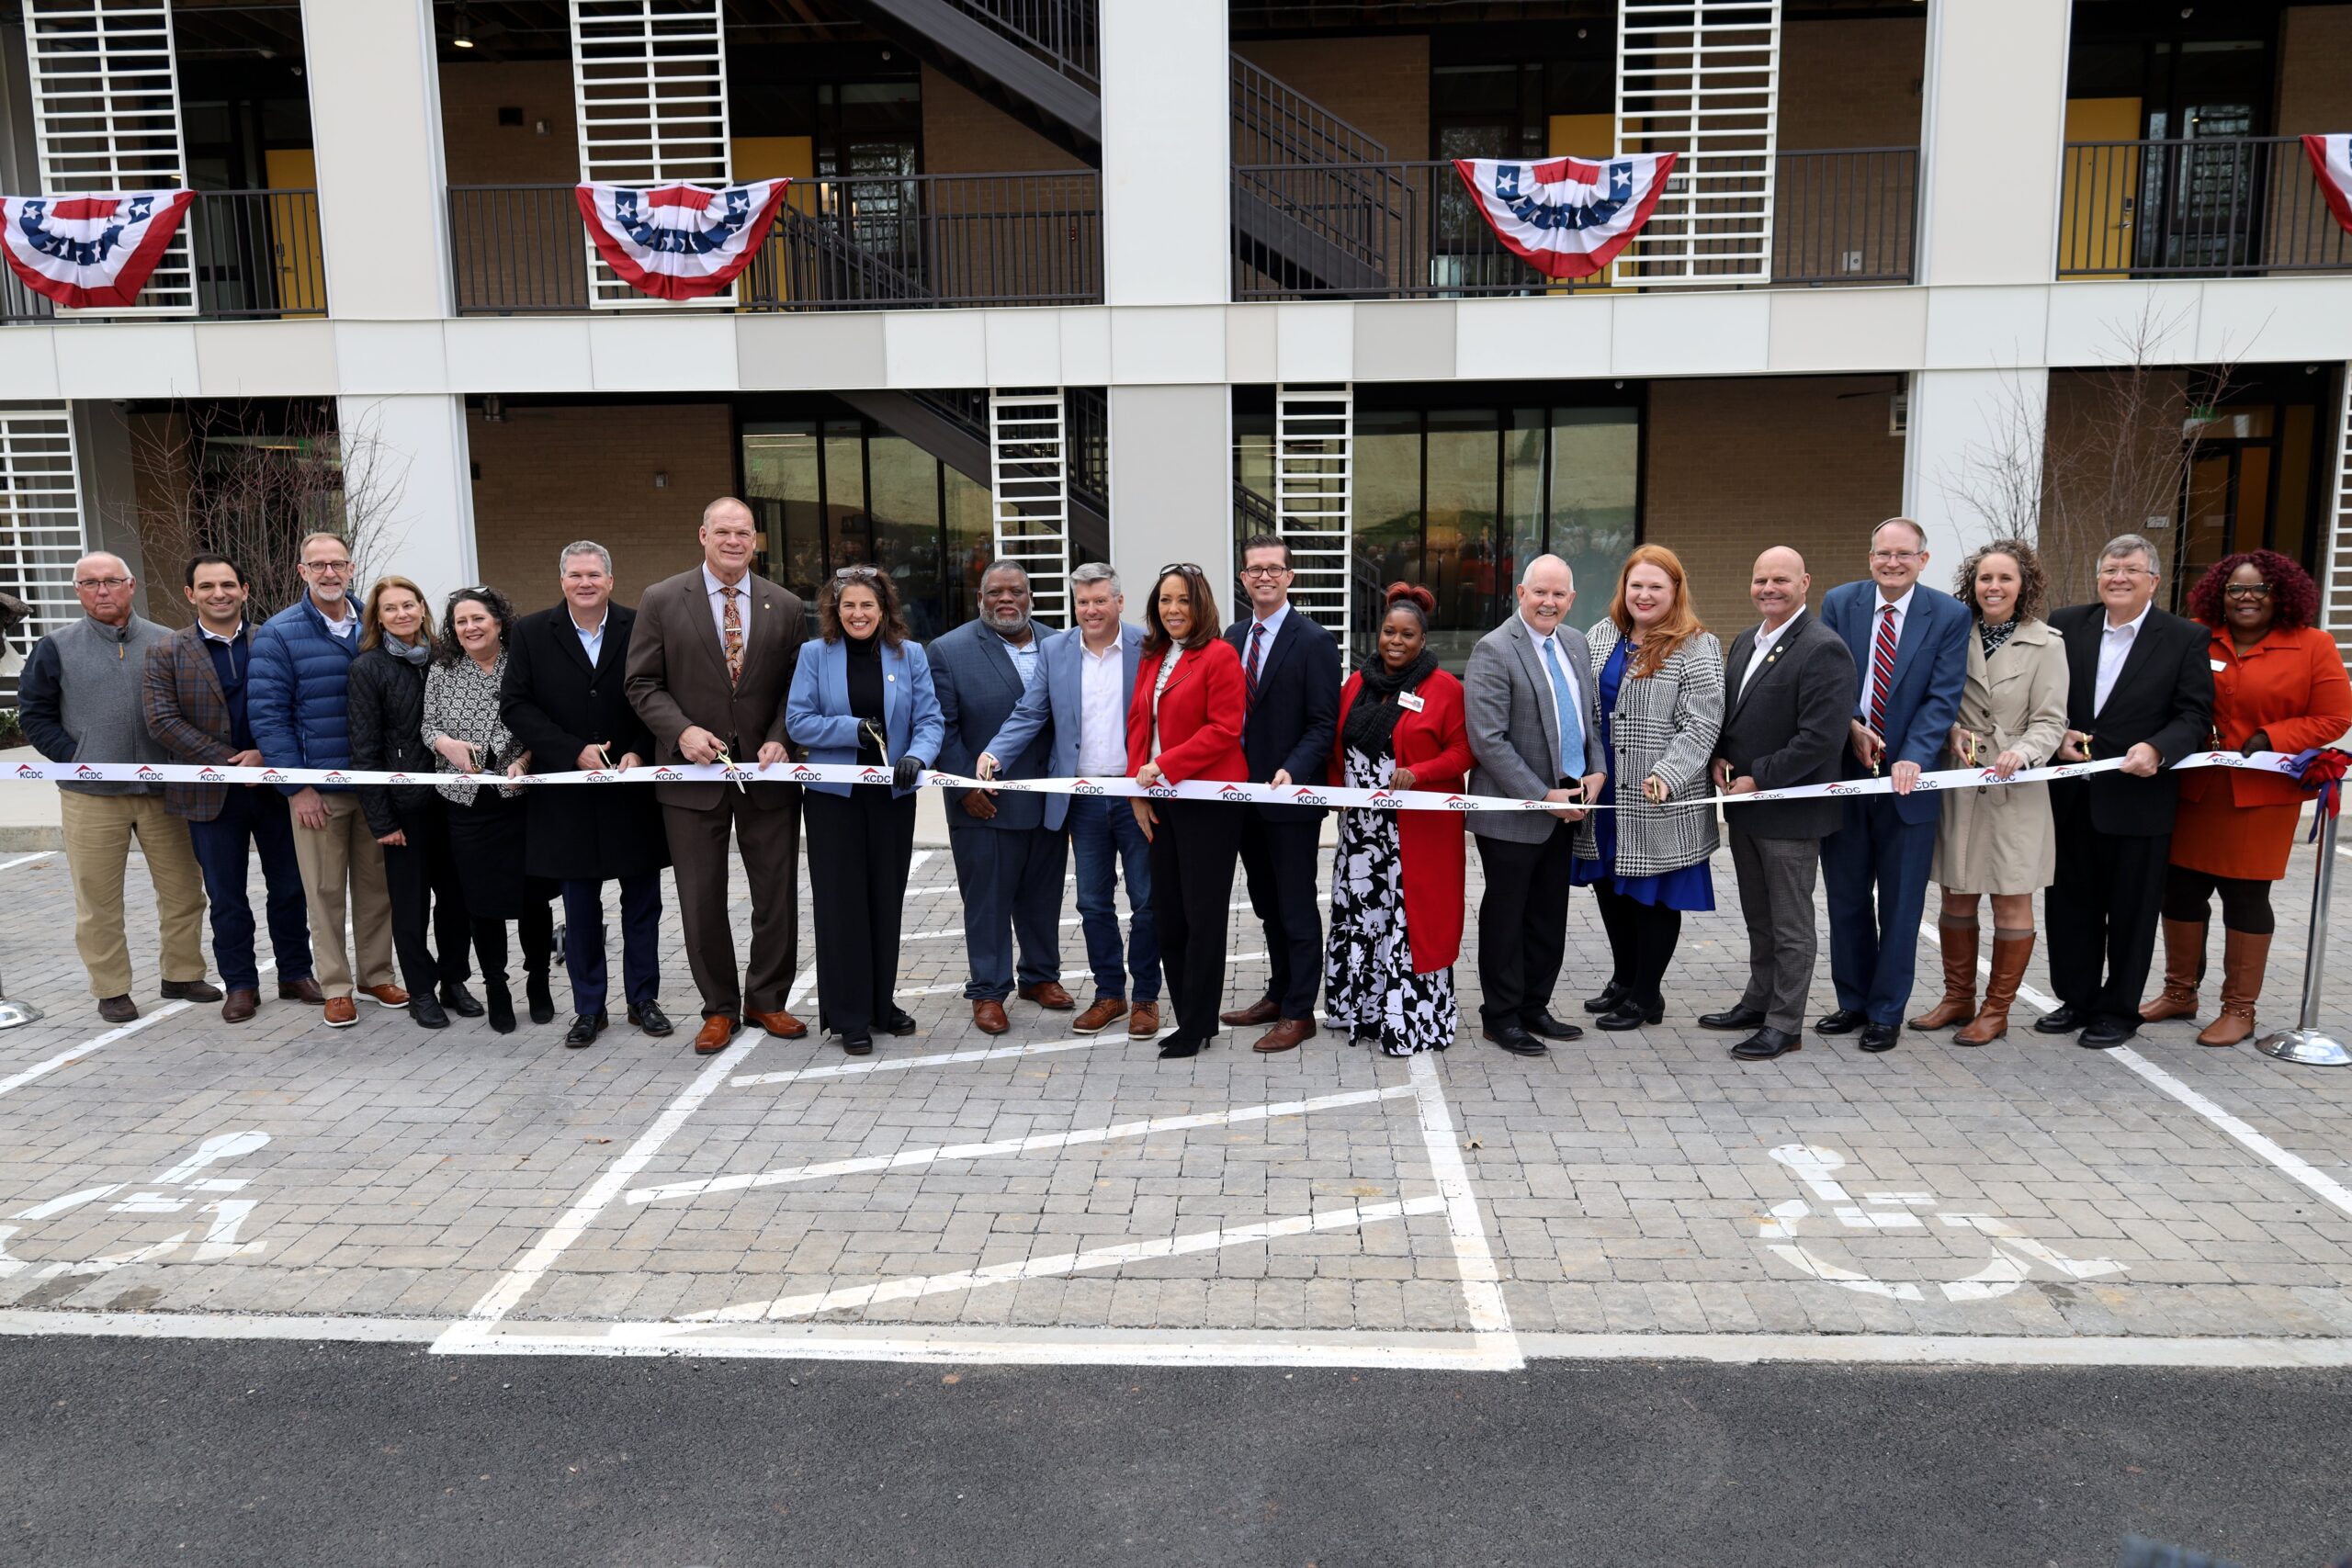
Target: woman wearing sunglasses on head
(1185, 723)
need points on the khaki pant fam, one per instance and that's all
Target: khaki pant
(343, 853)
(98, 831)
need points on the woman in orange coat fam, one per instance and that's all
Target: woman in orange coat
(2279, 686)
(1397, 879)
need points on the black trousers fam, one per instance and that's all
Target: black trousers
(535, 928)
(1641, 944)
(2101, 910)
(2246, 902)
(1192, 852)
(1280, 858)
(859, 846)
(422, 878)
(1522, 923)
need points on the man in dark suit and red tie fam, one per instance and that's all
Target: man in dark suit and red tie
(1290, 680)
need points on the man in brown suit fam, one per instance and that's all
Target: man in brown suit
(709, 662)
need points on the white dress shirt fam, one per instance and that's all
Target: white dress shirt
(211, 636)
(346, 628)
(1273, 625)
(1767, 639)
(592, 642)
(710, 588)
(1102, 709)
(1545, 645)
(1167, 668)
(2115, 647)
(1870, 642)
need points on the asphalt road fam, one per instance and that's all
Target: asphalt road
(121, 1452)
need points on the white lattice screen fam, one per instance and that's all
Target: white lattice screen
(2336, 564)
(106, 118)
(650, 80)
(1314, 501)
(1701, 78)
(1029, 482)
(40, 516)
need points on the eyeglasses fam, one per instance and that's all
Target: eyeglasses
(92, 584)
(2123, 573)
(2247, 590)
(1263, 570)
(1896, 554)
(1178, 566)
(327, 568)
(857, 574)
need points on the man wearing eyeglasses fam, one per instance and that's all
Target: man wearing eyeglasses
(299, 704)
(81, 700)
(1910, 645)
(2141, 688)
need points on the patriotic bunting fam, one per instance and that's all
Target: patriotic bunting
(89, 251)
(1566, 217)
(2331, 159)
(680, 242)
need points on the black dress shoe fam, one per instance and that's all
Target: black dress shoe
(584, 1029)
(1879, 1037)
(1845, 1020)
(1549, 1027)
(460, 1000)
(1736, 1018)
(2105, 1034)
(2065, 1021)
(542, 999)
(897, 1020)
(858, 1044)
(426, 1011)
(1611, 995)
(1183, 1042)
(650, 1016)
(1516, 1040)
(1629, 1014)
(1766, 1043)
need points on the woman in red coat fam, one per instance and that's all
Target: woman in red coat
(1185, 723)
(2279, 686)
(1396, 881)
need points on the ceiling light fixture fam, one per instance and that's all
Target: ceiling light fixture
(463, 36)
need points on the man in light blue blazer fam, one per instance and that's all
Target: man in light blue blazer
(1010, 848)
(1086, 683)
(1910, 643)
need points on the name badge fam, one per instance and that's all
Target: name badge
(2220, 664)
(1409, 700)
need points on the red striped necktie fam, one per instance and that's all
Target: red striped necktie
(1250, 671)
(1881, 667)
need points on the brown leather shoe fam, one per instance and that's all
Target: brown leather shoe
(387, 995)
(341, 1012)
(241, 1006)
(780, 1023)
(117, 1010)
(1099, 1017)
(303, 990)
(1285, 1036)
(190, 992)
(1143, 1022)
(717, 1029)
(1264, 1011)
(1049, 995)
(990, 1018)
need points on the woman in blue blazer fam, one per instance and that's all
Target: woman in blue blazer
(861, 693)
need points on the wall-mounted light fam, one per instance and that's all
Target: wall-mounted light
(493, 409)
(661, 479)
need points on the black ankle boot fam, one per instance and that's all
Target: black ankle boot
(535, 988)
(501, 1003)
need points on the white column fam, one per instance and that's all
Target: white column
(1991, 140)
(1972, 458)
(1167, 152)
(405, 465)
(376, 131)
(1171, 486)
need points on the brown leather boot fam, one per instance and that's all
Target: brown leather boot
(2009, 956)
(2245, 956)
(2184, 962)
(1958, 1005)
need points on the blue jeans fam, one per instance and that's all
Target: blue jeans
(257, 818)
(1104, 836)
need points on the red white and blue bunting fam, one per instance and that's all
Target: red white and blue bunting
(89, 252)
(680, 242)
(2331, 159)
(1566, 217)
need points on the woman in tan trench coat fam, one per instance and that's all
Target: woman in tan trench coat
(1998, 840)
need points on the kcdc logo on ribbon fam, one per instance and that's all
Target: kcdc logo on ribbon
(679, 241)
(88, 252)
(1566, 217)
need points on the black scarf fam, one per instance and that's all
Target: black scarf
(1993, 637)
(1371, 720)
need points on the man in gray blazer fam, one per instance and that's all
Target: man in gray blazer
(1789, 688)
(1085, 682)
(1535, 728)
(1010, 848)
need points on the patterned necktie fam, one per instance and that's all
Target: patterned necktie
(1881, 667)
(1571, 719)
(733, 620)
(1250, 669)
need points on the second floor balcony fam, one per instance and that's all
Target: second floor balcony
(2195, 206)
(239, 256)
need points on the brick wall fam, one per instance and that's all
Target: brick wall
(963, 134)
(1852, 82)
(1737, 465)
(480, 151)
(1380, 85)
(2315, 87)
(547, 476)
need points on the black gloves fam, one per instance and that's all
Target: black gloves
(908, 770)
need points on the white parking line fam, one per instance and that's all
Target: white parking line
(899, 1064)
(1481, 1284)
(26, 860)
(88, 1047)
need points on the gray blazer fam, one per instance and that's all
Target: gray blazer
(1507, 707)
(977, 688)
(1664, 724)
(1055, 706)
(1788, 725)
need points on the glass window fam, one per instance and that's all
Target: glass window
(970, 542)
(906, 529)
(780, 481)
(1458, 541)
(1522, 510)
(849, 532)
(1387, 507)
(1596, 478)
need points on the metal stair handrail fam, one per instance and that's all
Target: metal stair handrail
(1063, 33)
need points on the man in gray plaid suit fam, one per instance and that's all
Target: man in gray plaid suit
(1532, 710)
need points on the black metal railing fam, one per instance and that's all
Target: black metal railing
(1411, 230)
(240, 254)
(1064, 33)
(862, 243)
(2196, 206)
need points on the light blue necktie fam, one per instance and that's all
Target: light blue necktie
(1571, 720)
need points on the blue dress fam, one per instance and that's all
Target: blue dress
(1689, 888)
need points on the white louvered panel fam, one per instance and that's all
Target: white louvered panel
(2336, 564)
(40, 515)
(649, 78)
(1701, 78)
(106, 118)
(1314, 501)
(1029, 484)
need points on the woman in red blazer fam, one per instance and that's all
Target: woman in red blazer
(1185, 723)
(1396, 881)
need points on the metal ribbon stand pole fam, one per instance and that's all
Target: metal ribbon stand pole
(2307, 1044)
(15, 1015)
